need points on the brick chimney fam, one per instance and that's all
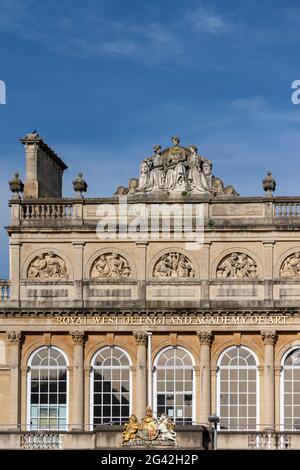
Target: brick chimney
(44, 169)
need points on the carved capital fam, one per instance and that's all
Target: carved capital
(140, 337)
(14, 337)
(269, 337)
(79, 337)
(205, 337)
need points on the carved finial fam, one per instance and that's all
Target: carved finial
(269, 184)
(16, 186)
(80, 185)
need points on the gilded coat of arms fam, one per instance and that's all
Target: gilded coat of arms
(150, 432)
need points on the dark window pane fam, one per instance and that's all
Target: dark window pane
(97, 399)
(62, 398)
(62, 386)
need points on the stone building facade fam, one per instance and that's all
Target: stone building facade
(98, 321)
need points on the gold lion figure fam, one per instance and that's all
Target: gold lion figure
(130, 429)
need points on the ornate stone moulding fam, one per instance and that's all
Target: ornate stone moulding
(237, 265)
(173, 265)
(110, 265)
(47, 266)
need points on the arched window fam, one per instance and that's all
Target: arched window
(237, 392)
(47, 390)
(174, 385)
(110, 385)
(290, 390)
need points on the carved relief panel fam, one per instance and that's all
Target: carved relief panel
(291, 266)
(110, 265)
(173, 265)
(237, 266)
(47, 266)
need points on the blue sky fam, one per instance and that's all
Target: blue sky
(103, 81)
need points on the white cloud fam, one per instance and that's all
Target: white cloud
(207, 21)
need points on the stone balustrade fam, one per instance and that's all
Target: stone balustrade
(4, 290)
(269, 441)
(40, 212)
(41, 440)
(243, 209)
(286, 210)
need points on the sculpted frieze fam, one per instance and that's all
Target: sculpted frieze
(173, 265)
(237, 266)
(47, 266)
(110, 265)
(291, 266)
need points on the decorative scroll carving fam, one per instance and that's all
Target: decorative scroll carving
(47, 266)
(110, 265)
(177, 169)
(236, 266)
(205, 337)
(14, 337)
(79, 337)
(140, 337)
(173, 265)
(291, 266)
(269, 337)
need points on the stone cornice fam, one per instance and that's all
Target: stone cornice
(57, 312)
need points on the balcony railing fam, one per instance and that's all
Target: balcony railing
(4, 290)
(269, 441)
(286, 209)
(71, 210)
(46, 212)
(43, 440)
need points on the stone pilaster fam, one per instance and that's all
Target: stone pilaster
(141, 253)
(268, 271)
(141, 373)
(15, 339)
(77, 401)
(14, 262)
(269, 338)
(205, 339)
(78, 270)
(205, 273)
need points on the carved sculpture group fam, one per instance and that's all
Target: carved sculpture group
(149, 432)
(173, 265)
(291, 266)
(47, 266)
(177, 169)
(110, 265)
(236, 266)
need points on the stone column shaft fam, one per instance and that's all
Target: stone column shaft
(269, 339)
(141, 374)
(15, 339)
(205, 339)
(77, 423)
